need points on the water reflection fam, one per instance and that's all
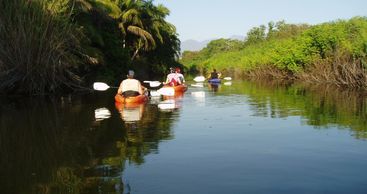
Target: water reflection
(198, 94)
(102, 113)
(171, 103)
(198, 85)
(199, 97)
(228, 83)
(320, 106)
(214, 86)
(131, 113)
(55, 145)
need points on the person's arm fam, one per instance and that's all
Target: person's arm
(141, 88)
(178, 79)
(169, 78)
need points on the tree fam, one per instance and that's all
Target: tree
(256, 34)
(133, 27)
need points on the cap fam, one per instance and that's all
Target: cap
(131, 73)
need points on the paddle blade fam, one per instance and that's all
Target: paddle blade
(199, 79)
(166, 91)
(155, 84)
(227, 78)
(100, 86)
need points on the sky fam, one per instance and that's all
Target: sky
(210, 19)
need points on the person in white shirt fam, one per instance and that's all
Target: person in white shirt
(172, 78)
(130, 86)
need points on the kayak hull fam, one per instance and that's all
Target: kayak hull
(178, 89)
(130, 100)
(216, 80)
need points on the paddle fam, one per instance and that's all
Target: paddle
(153, 83)
(100, 86)
(199, 79)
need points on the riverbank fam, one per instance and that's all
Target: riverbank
(332, 53)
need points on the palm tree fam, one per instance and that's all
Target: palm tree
(132, 23)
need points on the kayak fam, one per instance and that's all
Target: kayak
(214, 80)
(121, 106)
(134, 99)
(178, 89)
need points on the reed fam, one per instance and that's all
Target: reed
(268, 72)
(343, 71)
(38, 48)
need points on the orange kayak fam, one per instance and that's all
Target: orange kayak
(178, 89)
(134, 100)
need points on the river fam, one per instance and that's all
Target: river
(237, 137)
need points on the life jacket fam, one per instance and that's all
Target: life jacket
(173, 82)
(173, 79)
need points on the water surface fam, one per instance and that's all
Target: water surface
(237, 137)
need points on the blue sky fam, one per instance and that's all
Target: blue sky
(208, 19)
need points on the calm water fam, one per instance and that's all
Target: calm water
(235, 138)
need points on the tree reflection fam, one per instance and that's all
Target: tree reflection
(56, 145)
(320, 106)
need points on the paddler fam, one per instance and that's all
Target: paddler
(130, 86)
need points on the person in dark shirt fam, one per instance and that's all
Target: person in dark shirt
(214, 74)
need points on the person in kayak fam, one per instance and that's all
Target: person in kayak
(130, 86)
(172, 78)
(214, 74)
(179, 75)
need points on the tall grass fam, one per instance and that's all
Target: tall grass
(38, 48)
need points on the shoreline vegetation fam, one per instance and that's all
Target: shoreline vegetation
(61, 46)
(329, 53)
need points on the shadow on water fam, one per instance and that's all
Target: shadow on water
(73, 144)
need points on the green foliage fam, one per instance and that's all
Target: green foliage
(288, 47)
(256, 34)
(47, 45)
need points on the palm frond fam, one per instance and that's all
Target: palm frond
(149, 41)
(83, 5)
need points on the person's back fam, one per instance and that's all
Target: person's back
(180, 75)
(173, 79)
(130, 86)
(214, 74)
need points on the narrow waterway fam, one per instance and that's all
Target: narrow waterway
(235, 137)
